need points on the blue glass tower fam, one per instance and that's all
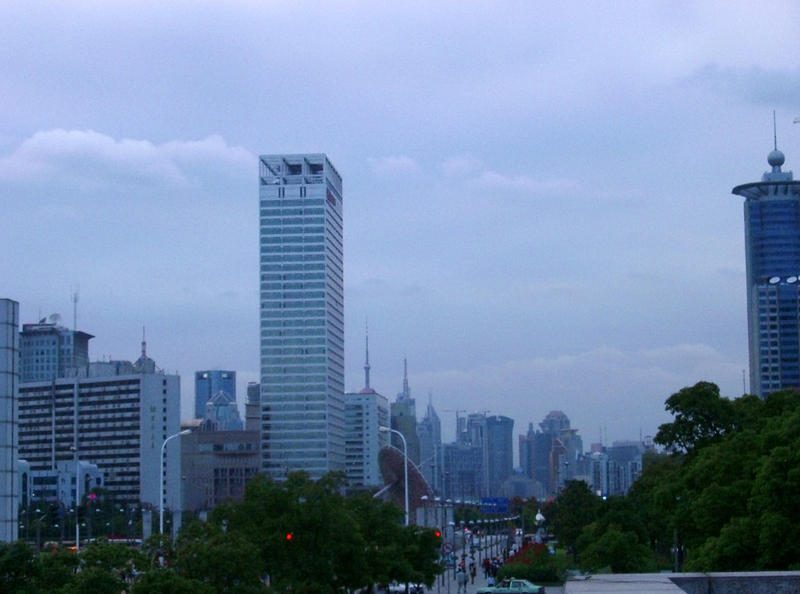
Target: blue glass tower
(210, 382)
(772, 247)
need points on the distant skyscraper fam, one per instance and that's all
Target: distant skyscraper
(222, 413)
(209, 383)
(404, 419)
(302, 315)
(500, 446)
(9, 379)
(429, 431)
(772, 250)
(49, 351)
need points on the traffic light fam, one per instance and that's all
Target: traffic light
(289, 536)
(437, 534)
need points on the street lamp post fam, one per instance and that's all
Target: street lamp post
(405, 459)
(161, 480)
(74, 449)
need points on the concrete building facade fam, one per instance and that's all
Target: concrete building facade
(118, 422)
(49, 351)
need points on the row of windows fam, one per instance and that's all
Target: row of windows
(287, 258)
(293, 332)
(307, 240)
(279, 281)
(293, 267)
(290, 212)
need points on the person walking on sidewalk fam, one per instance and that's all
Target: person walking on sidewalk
(461, 580)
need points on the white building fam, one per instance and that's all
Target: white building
(118, 422)
(9, 378)
(364, 413)
(302, 315)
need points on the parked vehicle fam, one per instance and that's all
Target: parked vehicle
(512, 586)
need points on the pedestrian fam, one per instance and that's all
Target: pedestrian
(490, 581)
(472, 572)
(461, 580)
(486, 565)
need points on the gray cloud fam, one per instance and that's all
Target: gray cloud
(770, 87)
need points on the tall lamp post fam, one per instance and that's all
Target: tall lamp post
(405, 458)
(161, 480)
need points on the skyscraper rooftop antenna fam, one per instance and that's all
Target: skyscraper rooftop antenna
(774, 132)
(366, 362)
(74, 299)
(406, 391)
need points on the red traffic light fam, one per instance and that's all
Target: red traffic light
(437, 534)
(289, 536)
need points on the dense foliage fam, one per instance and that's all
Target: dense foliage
(723, 499)
(299, 535)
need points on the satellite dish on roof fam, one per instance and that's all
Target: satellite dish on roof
(55, 318)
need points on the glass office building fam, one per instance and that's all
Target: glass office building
(772, 246)
(302, 315)
(208, 383)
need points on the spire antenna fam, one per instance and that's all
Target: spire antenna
(144, 344)
(774, 131)
(406, 391)
(366, 362)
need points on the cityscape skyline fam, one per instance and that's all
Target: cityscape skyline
(528, 223)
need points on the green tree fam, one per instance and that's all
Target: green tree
(120, 560)
(619, 550)
(226, 561)
(94, 580)
(18, 567)
(56, 569)
(166, 581)
(700, 415)
(575, 508)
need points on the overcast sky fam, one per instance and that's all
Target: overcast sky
(537, 195)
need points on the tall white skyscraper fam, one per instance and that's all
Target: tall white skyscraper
(302, 315)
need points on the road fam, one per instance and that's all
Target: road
(446, 584)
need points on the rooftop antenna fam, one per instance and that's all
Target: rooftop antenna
(774, 132)
(75, 290)
(144, 344)
(406, 391)
(366, 363)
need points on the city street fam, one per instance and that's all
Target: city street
(446, 584)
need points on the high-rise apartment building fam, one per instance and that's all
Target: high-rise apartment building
(209, 383)
(302, 315)
(117, 421)
(9, 379)
(772, 251)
